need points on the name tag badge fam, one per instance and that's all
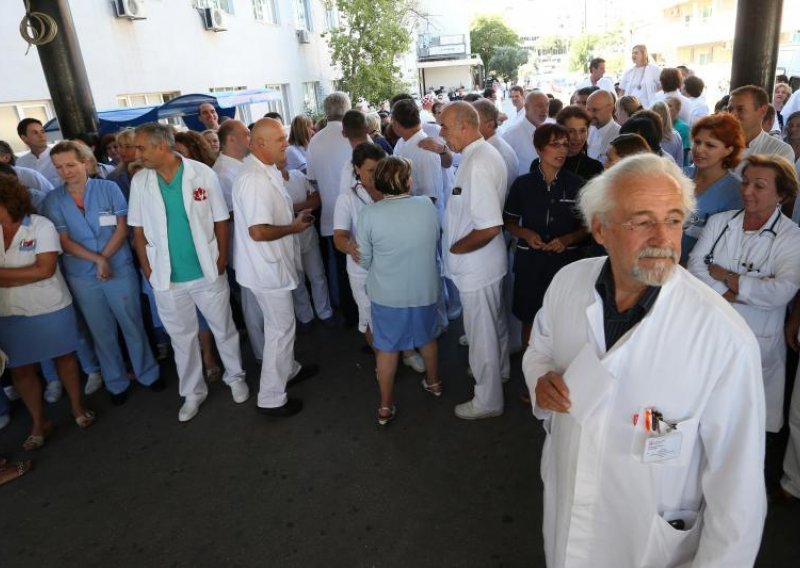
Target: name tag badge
(456, 191)
(663, 448)
(108, 220)
(28, 245)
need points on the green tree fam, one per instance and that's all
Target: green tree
(489, 33)
(364, 45)
(506, 60)
(581, 52)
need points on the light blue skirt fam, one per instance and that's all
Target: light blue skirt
(32, 339)
(398, 329)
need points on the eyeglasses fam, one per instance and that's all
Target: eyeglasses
(649, 226)
(558, 144)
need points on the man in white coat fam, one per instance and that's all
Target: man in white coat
(649, 386)
(267, 261)
(180, 235)
(475, 255)
(520, 135)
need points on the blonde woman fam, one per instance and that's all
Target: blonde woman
(671, 141)
(641, 80)
(300, 134)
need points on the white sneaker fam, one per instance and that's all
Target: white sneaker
(463, 341)
(11, 393)
(240, 391)
(416, 362)
(94, 383)
(190, 409)
(4, 420)
(53, 391)
(468, 411)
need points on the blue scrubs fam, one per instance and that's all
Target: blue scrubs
(722, 195)
(104, 304)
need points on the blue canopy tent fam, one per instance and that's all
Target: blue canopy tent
(184, 106)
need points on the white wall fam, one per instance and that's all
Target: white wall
(171, 51)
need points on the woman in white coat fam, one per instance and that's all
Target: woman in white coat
(752, 257)
(641, 80)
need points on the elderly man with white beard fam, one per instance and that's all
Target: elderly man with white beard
(649, 386)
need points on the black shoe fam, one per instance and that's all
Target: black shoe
(120, 398)
(329, 322)
(306, 372)
(304, 328)
(292, 407)
(158, 385)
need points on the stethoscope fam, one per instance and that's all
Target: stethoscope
(709, 258)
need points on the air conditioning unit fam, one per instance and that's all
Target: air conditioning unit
(215, 19)
(303, 36)
(130, 9)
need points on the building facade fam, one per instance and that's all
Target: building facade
(170, 48)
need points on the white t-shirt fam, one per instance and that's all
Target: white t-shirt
(345, 218)
(259, 198)
(685, 113)
(43, 164)
(298, 187)
(769, 145)
(520, 138)
(327, 153)
(426, 167)
(476, 203)
(36, 235)
(699, 110)
(227, 169)
(599, 140)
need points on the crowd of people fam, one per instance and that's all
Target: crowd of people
(643, 251)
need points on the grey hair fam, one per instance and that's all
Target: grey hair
(157, 133)
(336, 104)
(596, 200)
(486, 110)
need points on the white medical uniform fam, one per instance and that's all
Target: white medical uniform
(685, 113)
(298, 187)
(699, 110)
(600, 138)
(477, 203)
(769, 145)
(42, 164)
(642, 82)
(604, 83)
(176, 302)
(270, 270)
(426, 167)
(345, 218)
(693, 359)
(509, 157)
(227, 168)
(32, 179)
(327, 154)
(520, 137)
(769, 276)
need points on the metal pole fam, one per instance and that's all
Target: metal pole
(65, 71)
(755, 45)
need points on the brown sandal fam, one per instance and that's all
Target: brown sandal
(11, 471)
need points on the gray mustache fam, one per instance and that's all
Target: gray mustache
(658, 252)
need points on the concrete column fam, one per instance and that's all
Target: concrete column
(755, 45)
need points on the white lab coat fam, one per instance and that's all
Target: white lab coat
(764, 291)
(694, 359)
(205, 205)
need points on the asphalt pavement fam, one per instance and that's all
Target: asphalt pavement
(326, 487)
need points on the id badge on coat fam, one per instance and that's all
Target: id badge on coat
(108, 220)
(659, 441)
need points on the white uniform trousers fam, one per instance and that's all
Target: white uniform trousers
(253, 321)
(176, 308)
(487, 333)
(791, 463)
(315, 270)
(278, 364)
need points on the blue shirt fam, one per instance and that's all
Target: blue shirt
(397, 240)
(91, 228)
(722, 195)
